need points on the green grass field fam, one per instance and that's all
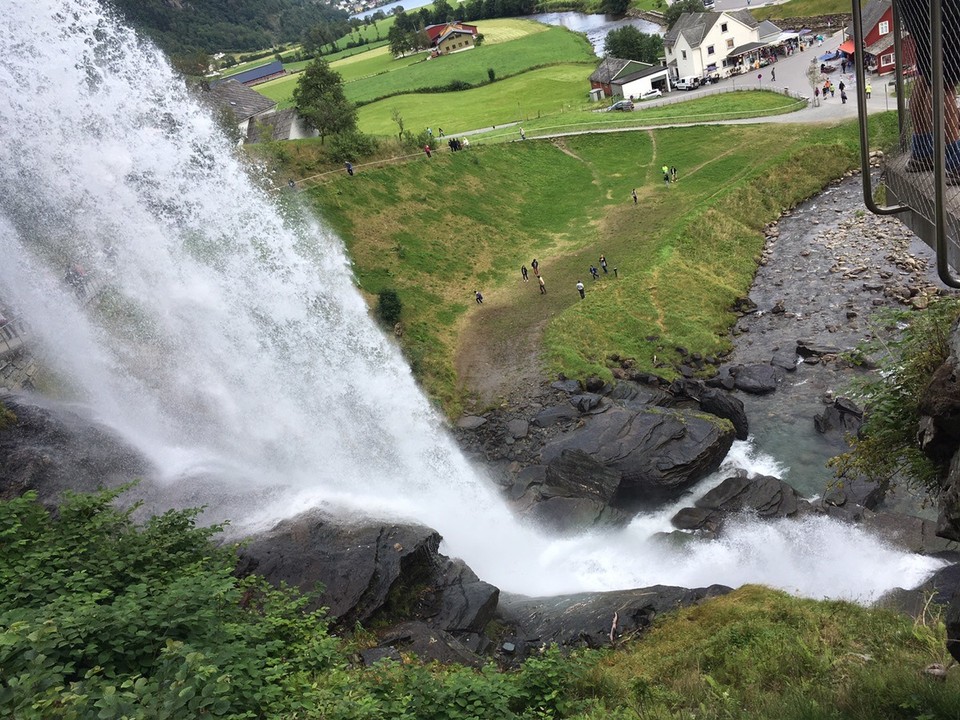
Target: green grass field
(374, 75)
(802, 8)
(549, 90)
(436, 229)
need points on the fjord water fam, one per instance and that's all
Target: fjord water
(227, 342)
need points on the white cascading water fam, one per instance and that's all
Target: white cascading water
(227, 340)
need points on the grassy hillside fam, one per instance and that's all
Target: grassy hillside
(802, 8)
(437, 229)
(376, 74)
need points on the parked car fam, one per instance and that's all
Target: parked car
(621, 105)
(650, 94)
(687, 83)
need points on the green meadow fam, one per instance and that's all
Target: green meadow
(435, 230)
(375, 74)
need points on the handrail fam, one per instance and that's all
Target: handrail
(862, 120)
(939, 146)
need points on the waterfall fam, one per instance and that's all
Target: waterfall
(227, 342)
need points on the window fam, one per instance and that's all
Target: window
(883, 28)
(886, 60)
(683, 53)
(729, 43)
(723, 27)
(710, 50)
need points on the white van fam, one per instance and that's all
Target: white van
(687, 83)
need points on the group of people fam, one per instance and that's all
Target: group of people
(455, 145)
(669, 176)
(535, 264)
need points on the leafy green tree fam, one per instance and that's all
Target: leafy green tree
(615, 7)
(442, 11)
(399, 41)
(680, 7)
(398, 119)
(389, 306)
(320, 100)
(630, 44)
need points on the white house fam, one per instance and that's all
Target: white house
(701, 44)
(617, 77)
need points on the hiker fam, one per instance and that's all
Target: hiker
(594, 273)
(426, 149)
(292, 184)
(349, 166)
(843, 97)
(666, 178)
(523, 271)
(673, 173)
(478, 296)
(465, 143)
(867, 89)
(603, 264)
(430, 132)
(543, 285)
(665, 169)
(634, 194)
(523, 135)
(580, 289)
(536, 267)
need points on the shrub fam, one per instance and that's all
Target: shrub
(352, 145)
(389, 306)
(491, 74)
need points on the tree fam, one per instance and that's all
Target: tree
(398, 119)
(630, 44)
(320, 100)
(615, 7)
(399, 40)
(680, 7)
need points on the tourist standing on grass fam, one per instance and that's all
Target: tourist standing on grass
(478, 296)
(580, 289)
(594, 273)
(673, 173)
(634, 194)
(426, 149)
(603, 263)
(523, 271)
(665, 169)
(543, 285)
(536, 267)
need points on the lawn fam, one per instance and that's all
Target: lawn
(550, 90)
(374, 75)
(436, 229)
(802, 8)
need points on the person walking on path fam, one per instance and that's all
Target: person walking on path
(580, 289)
(543, 285)
(349, 167)
(868, 88)
(426, 149)
(665, 169)
(673, 173)
(478, 296)
(634, 194)
(523, 271)
(523, 135)
(843, 96)
(603, 264)
(773, 74)
(666, 175)
(536, 267)
(594, 273)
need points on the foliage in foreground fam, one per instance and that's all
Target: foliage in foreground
(886, 448)
(101, 618)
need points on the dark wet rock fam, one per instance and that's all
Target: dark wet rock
(940, 412)
(724, 405)
(778, 307)
(807, 348)
(556, 414)
(757, 379)
(518, 428)
(371, 656)
(595, 385)
(659, 452)
(50, 449)
(785, 360)
(571, 387)
(860, 492)
(841, 418)
(530, 475)
(575, 494)
(694, 518)
(913, 534)
(429, 644)
(588, 618)
(361, 564)
(744, 305)
(767, 496)
(471, 422)
(635, 394)
(587, 402)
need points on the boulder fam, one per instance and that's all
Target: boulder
(841, 418)
(471, 422)
(554, 415)
(756, 379)
(574, 473)
(429, 644)
(659, 452)
(908, 532)
(633, 394)
(857, 491)
(518, 428)
(808, 348)
(594, 619)
(940, 412)
(724, 405)
(571, 387)
(785, 360)
(586, 402)
(360, 564)
(767, 496)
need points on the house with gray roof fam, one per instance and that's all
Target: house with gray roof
(628, 78)
(246, 106)
(702, 44)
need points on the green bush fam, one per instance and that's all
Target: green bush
(352, 145)
(389, 306)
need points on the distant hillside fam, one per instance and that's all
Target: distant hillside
(186, 26)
